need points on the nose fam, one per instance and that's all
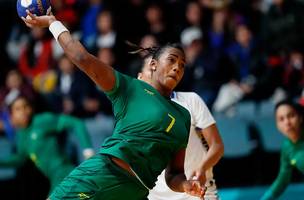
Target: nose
(177, 68)
(287, 122)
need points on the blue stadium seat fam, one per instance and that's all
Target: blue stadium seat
(235, 136)
(6, 151)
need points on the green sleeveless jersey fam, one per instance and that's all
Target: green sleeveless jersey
(149, 130)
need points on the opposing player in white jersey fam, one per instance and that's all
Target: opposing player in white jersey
(204, 145)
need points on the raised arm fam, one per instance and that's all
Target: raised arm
(102, 74)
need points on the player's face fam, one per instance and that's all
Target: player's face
(169, 68)
(288, 121)
(21, 113)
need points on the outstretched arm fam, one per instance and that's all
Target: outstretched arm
(102, 74)
(282, 180)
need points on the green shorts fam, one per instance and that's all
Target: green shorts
(100, 179)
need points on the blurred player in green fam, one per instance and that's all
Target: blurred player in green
(36, 139)
(289, 119)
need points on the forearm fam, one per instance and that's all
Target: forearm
(96, 70)
(99, 72)
(175, 182)
(213, 155)
(278, 186)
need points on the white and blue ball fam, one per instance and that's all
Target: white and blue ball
(36, 7)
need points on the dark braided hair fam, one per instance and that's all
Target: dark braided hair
(155, 52)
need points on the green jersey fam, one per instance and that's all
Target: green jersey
(292, 156)
(150, 129)
(38, 143)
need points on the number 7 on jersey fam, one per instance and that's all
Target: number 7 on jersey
(171, 123)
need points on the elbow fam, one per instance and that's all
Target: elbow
(221, 149)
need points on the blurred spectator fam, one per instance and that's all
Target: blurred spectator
(88, 22)
(194, 15)
(218, 34)
(31, 52)
(15, 85)
(73, 92)
(293, 75)
(243, 53)
(36, 55)
(64, 11)
(157, 23)
(251, 11)
(107, 36)
(283, 26)
(248, 67)
(205, 71)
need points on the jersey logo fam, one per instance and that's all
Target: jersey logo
(33, 157)
(34, 136)
(149, 92)
(83, 196)
(293, 162)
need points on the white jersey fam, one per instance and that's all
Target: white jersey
(201, 118)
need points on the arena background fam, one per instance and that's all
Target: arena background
(247, 126)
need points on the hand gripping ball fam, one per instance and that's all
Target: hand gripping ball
(36, 7)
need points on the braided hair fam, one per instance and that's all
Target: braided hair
(155, 52)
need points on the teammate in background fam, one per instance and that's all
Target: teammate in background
(150, 129)
(289, 119)
(204, 148)
(36, 139)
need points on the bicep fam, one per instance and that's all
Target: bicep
(211, 135)
(102, 74)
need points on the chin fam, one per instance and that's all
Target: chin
(171, 84)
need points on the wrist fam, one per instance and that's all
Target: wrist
(52, 19)
(57, 28)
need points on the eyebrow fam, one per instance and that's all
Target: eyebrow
(171, 54)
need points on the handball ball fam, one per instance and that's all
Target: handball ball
(36, 7)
